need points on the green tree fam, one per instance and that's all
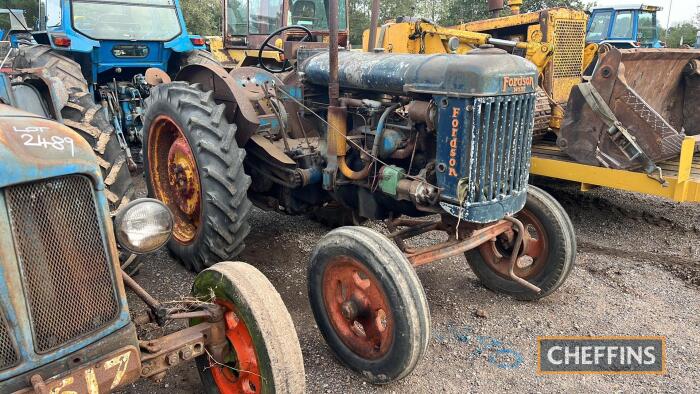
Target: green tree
(685, 30)
(30, 8)
(203, 17)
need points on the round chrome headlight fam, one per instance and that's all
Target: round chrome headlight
(143, 226)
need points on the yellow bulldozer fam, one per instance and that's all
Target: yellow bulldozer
(620, 118)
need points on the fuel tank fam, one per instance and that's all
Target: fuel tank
(481, 72)
(32, 148)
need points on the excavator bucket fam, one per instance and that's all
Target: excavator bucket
(635, 110)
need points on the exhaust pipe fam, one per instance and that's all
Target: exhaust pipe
(337, 114)
(374, 19)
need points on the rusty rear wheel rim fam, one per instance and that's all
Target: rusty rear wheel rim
(174, 176)
(497, 254)
(240, 372)
(358, 308)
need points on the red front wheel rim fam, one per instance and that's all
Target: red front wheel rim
(240, 372)
(358, 308)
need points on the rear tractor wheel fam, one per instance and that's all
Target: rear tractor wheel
(549, 241)
(194, 165)
(368, 303)
(263, 353)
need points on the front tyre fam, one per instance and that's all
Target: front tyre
(368, 303)
(551, 242)
(264, 355)
(194, 165)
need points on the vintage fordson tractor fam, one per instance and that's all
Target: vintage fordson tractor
(424, 142)
(65, 325)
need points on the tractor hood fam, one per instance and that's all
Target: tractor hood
(482, 72)
(34, 148)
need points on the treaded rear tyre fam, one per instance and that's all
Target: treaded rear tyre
(87, 118)
(220, 224)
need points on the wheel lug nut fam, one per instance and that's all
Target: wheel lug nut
(349, 310)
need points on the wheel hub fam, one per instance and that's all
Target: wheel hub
(533, 252)
(358, 308)
(173, 176)
(182, 176)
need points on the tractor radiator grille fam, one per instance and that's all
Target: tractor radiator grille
(66, 272)
(569, 41)
(500, 148)
(8, 351)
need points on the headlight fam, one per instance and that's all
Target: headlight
(143, 226)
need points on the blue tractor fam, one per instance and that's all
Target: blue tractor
(104, 57)
(624, 26)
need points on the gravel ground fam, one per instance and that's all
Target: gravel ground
(637, 273)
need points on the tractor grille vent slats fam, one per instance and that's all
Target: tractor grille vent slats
(569, 41)
(8, 351)
(500, 147)
(66, 272)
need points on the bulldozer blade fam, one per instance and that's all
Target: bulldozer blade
(652, 95)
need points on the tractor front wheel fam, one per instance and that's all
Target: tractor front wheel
(194, 165)
(368, 303)
(550, 241)
(263, 353)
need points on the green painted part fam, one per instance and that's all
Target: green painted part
(390, 179)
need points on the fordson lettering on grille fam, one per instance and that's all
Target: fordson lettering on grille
(453, 142)
(517, 84)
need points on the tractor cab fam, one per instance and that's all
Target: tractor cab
(254, 30)
(116, 37)
(624, 26)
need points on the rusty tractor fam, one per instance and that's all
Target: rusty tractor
(424, 142)
(65, 324)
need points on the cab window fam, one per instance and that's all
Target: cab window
(622, 27)
(646, 27)
(265, 16)
(313, 14)
(599, 26)
(52, 8)
(245, 17)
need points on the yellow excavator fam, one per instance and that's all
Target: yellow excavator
(620, 118)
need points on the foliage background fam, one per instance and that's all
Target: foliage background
(204, 16)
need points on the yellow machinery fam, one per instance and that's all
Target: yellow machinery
(533, 35)
(554, 40)
(248, 23)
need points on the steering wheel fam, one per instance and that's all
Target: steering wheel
(286, 65)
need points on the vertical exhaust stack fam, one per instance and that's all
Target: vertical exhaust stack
(495, 7)
(337, 112)
(374, 19)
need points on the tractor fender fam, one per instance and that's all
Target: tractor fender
(228, 91)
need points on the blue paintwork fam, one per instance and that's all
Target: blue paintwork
(622, 42)
(459, 133)
(26, 164)
(100, 52)
(481, 72)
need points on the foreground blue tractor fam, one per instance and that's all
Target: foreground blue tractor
(100, 58)
(65, 326)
